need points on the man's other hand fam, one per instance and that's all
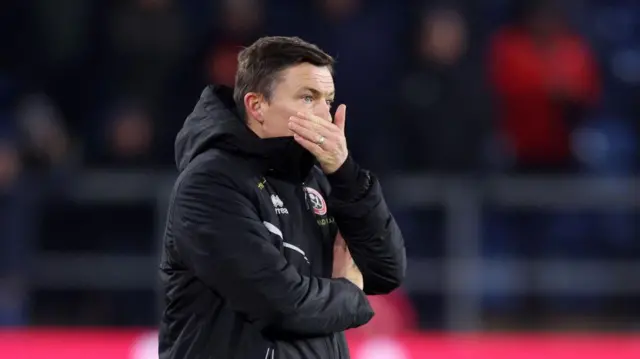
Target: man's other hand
(343, 264)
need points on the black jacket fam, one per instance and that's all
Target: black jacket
(248, 245)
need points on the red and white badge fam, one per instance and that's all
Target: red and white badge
(317, 201)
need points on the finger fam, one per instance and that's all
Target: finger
(319, 129)
(312, 147)
(316, 120)
(308, 134)
(340, 117)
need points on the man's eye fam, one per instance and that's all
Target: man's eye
(307, 99)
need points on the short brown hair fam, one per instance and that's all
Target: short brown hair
(260, 64)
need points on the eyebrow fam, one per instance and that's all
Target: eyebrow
(317, 93)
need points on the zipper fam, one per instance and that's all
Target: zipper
(306, 196)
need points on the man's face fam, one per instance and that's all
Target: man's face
(301, 88)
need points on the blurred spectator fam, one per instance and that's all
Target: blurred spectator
(148, 39)
(445, 116)
(443, 122)
(545, 78)
(34, 145)
(239, 24)
(230, 25)
(546, 81)
(130, 134)
(127, 137)
(46, 143)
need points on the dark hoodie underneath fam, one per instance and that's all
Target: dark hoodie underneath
(247, 256)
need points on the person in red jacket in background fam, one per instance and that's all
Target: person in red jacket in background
(545, 77)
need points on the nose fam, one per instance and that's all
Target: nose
(323, 110)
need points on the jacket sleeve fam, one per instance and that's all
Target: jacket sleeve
(220, 237)
(372, 235)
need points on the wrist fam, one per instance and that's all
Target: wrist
(345, 180)
(333, 168)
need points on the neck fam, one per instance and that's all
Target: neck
(284, 157)
(287, 159)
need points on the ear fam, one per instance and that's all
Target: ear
(254, 106)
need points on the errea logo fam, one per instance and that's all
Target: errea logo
(278, 205)
(277, 202)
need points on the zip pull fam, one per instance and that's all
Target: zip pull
(306, 197)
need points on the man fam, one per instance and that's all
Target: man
(249, 265)
(545, 79)
(445, 138)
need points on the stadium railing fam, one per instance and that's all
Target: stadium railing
(458, 275)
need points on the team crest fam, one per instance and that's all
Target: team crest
(317, 201)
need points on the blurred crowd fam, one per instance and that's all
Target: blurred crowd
(445, 87)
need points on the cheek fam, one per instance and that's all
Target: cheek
(291, 108)
(277, 119)
(294, 107)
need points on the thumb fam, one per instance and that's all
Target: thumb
(341, 116)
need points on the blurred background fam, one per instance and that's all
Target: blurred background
(505, 132)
